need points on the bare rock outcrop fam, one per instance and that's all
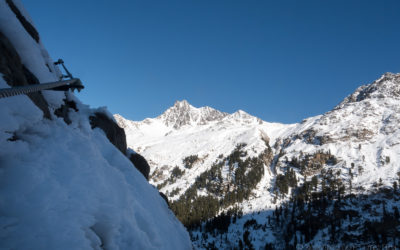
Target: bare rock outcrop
(114, 133)
(16, 74)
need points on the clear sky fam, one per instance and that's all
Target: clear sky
(279, 60)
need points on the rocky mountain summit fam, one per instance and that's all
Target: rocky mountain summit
(388, 86)
(182, 113)
(231, 178)
(363, 129)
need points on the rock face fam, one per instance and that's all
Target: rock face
(16, 74)
(114, 133)
(27, 25)
(64, 110)
(388, 86)
(182, 113)
(140, 163)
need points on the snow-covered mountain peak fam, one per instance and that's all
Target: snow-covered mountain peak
(367, 115)
(355, 145)
(242, 114)
(182, 113)
(123, 123)
(182, 104)
(387, 86)
(179, 108)
(243, 117)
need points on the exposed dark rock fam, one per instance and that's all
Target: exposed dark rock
(386, 86)
(309, 136)
(158, 174)
(14, 137)
(286, 142)
(364, 94)
(267, 156)
(361, 134)
(114, 133)
(10, 63)
(277, 143)
(141, 164)
(16, 74)
(310, 164)
(165, 198)
(27, 25)
(63, 111)
(323, 139)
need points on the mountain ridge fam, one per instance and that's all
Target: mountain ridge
(182, 113)
(359, 140)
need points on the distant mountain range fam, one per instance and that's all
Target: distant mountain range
(231, 177)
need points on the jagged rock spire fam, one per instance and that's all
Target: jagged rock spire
(182, 113)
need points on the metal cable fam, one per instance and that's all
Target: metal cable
(20, 90)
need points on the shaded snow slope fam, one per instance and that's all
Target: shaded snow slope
(66, 186)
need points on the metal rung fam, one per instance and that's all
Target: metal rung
(74, 83)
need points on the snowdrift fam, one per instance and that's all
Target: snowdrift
(66, 186)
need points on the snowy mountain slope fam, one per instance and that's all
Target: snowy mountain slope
(363, 130)
(66, 186)
(208, 135)
(182, 113)
(370, 124)
(357, 144)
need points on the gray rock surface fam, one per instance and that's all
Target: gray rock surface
(114, 133)
(16, 74)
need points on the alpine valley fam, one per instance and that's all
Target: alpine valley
(236, 181)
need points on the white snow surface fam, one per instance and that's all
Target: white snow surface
(66, 186)
(165, 146)
(362, 132)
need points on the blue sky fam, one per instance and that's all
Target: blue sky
(282, 61)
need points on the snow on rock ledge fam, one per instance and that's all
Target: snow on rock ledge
(387, 86)
(66, 186)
